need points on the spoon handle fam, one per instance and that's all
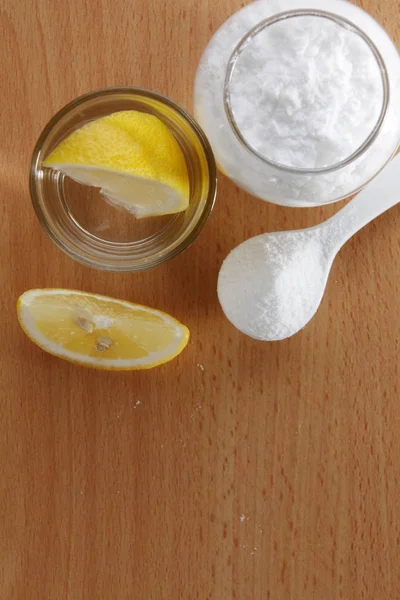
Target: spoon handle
(379, 195)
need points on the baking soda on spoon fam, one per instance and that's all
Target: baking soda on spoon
(271, 285)
(261, 288)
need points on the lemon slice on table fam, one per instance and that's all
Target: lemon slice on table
(133, 157)
(101, 332)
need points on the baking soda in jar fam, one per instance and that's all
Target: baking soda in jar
(300, 104)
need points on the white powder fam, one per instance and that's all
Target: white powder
(270, 286)
(305, 92)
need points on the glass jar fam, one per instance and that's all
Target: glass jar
(92, 231)
(227, 66)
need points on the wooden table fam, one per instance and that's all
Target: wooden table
(242, 470)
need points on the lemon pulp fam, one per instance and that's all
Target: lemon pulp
(99, 331)
(132, 157)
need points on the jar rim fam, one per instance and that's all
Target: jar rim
(343, 22)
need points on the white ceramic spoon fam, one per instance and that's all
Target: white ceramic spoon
(272, 285)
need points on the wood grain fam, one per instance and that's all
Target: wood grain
(271, 474)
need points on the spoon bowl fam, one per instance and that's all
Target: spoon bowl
(282, 284)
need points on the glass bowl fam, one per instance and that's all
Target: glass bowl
(224, 61)
(84, 225)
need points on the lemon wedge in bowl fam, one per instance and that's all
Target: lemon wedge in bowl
(132, 157)
(101, 332)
